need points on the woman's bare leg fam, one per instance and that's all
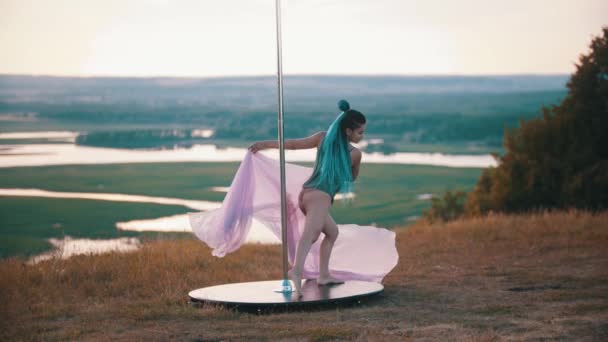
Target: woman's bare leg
(330, 229)
(317, 205)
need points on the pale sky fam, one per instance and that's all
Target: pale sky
(237, 37)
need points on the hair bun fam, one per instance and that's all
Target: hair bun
(343, 105)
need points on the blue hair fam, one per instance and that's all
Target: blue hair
(332, 172)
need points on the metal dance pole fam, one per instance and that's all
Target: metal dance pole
(286, 286)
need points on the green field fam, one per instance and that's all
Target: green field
(386, 196)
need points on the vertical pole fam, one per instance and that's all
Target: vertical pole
(286, 285)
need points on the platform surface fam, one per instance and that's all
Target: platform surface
(262, 293)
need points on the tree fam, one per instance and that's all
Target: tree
(560, 159)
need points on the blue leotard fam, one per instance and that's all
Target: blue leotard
(313, 183)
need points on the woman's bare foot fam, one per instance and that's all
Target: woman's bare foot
(328, 281)
(297, 282)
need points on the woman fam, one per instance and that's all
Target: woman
(336, 167)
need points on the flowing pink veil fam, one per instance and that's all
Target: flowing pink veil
(360, 252)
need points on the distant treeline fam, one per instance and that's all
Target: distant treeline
(398, 118)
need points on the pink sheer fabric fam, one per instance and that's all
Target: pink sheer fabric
(360, 252)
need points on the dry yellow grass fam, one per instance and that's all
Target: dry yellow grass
(511, 277)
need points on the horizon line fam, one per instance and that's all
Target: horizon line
(274, 75)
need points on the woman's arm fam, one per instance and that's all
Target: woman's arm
(290, 144)
(356, 158)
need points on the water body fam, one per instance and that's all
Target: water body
(176, 223)
(192, 204)
(424, 197)
(258, 233)
(64, 154)
(67, 247)
(53, 135)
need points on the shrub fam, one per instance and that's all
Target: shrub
(446, 208)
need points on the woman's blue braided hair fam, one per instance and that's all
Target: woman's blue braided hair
(333, 170)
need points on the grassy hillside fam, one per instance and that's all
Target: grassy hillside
(523, 277)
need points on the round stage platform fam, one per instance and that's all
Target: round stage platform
(262, 296)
